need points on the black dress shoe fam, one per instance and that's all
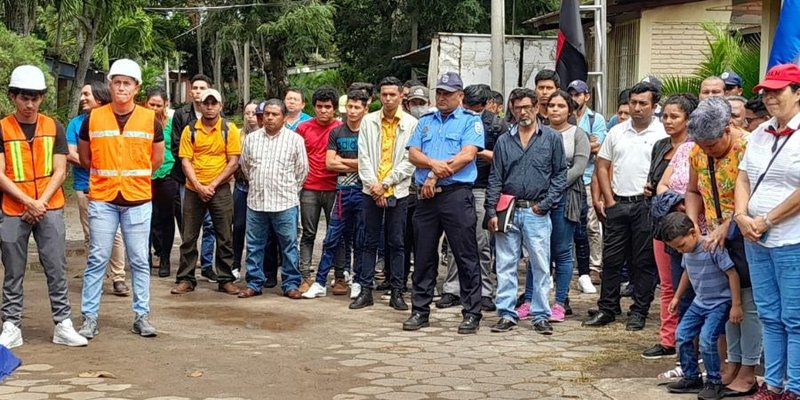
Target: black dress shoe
(487, 304)
(448, 300)
(602, 318)
(397, 301)
(163, 268)
(504, 325)
(543, 327)
(635, 322)
(567, 307)
(469, 324)
(417, 321)
(383, 286)
(364, 299)
(593, 311)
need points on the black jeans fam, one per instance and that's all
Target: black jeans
(395, 220)
(628, 239)
(452, 212)
(581, 238)
(194, 210)
(162, 223)
(409, 236)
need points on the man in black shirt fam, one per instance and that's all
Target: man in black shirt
(475, 99)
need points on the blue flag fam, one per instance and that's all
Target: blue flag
(786, 45)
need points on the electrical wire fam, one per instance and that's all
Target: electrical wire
(226, 7)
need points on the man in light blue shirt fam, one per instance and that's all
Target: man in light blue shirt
(294, 105)
(588, 236)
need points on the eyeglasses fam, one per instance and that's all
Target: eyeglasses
(523, 108)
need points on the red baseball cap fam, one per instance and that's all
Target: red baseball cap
(779, 77)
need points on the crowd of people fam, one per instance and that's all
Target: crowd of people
(696, 195)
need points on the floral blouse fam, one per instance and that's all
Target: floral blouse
(726, 170)
(680, 168)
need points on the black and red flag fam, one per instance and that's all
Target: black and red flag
(571, 53)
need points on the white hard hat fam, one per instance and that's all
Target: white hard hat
(126, 67)
(27, 77)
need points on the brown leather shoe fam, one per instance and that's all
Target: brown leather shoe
(182, 287)
(247, 293)
(121, 289)
(306, 284)
(339, 287)
(293, 294)
(229, 288)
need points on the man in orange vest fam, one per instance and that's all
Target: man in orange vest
(34, 161)
(121, 144)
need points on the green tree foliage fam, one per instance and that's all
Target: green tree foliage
(19, 50)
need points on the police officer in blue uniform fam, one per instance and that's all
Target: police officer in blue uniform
(443, 148)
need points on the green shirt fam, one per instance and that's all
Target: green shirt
(169, 160)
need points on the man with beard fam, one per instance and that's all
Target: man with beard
(528, 164)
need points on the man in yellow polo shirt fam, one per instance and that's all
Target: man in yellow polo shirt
(209, 152)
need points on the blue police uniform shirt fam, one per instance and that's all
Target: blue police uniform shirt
(443, 139)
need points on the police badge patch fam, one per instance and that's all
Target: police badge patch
(479, 128)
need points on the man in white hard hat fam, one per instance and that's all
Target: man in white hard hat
(33, 158)
(121, 144)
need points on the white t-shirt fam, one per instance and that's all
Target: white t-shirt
(630, 152)
(782, 179)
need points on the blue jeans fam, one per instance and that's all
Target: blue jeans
(347, 225)
(561, 243)
(708, 324)
(533, 232)
(775, 275)
(207, 244)
(284, 224)
(104, 220)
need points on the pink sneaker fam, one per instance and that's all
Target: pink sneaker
(524, 311)
(557, 313)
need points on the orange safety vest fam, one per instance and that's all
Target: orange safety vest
(29, 164)
(121, 161)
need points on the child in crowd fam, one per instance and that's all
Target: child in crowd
(712, 274)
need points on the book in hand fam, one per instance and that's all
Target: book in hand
(505, 212)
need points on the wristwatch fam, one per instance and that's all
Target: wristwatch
(431, 175)
(385, 187)
(767, 221)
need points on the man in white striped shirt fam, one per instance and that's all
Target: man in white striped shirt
(275, 162)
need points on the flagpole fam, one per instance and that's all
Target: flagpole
(498, 46)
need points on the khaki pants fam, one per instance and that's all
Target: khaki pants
(116, 265)
(594, 230)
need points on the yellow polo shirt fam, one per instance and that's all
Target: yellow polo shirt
(209, 152)
(388, 136)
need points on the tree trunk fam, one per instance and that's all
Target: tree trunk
(20, 15)
(199, 44)
(57, 55)
(217, 62)
(91, 23)
(246, 73)
(237, 57)
(278, 79)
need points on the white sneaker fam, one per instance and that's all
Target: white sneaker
(11, 336)
(236, 274)
(585, 284)
(316, 290)
(348, 278)
(355, 290)
(64, 333)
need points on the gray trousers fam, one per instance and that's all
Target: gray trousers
(50, 237)
(744, 339)
(451, 284)
(312, 204)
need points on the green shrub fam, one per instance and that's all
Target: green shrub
(21, 50)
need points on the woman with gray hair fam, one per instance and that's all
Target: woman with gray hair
(714, 167)
(768, 214)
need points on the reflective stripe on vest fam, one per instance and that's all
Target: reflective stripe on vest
(113, 172)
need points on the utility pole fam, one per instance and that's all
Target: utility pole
(498, 45)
